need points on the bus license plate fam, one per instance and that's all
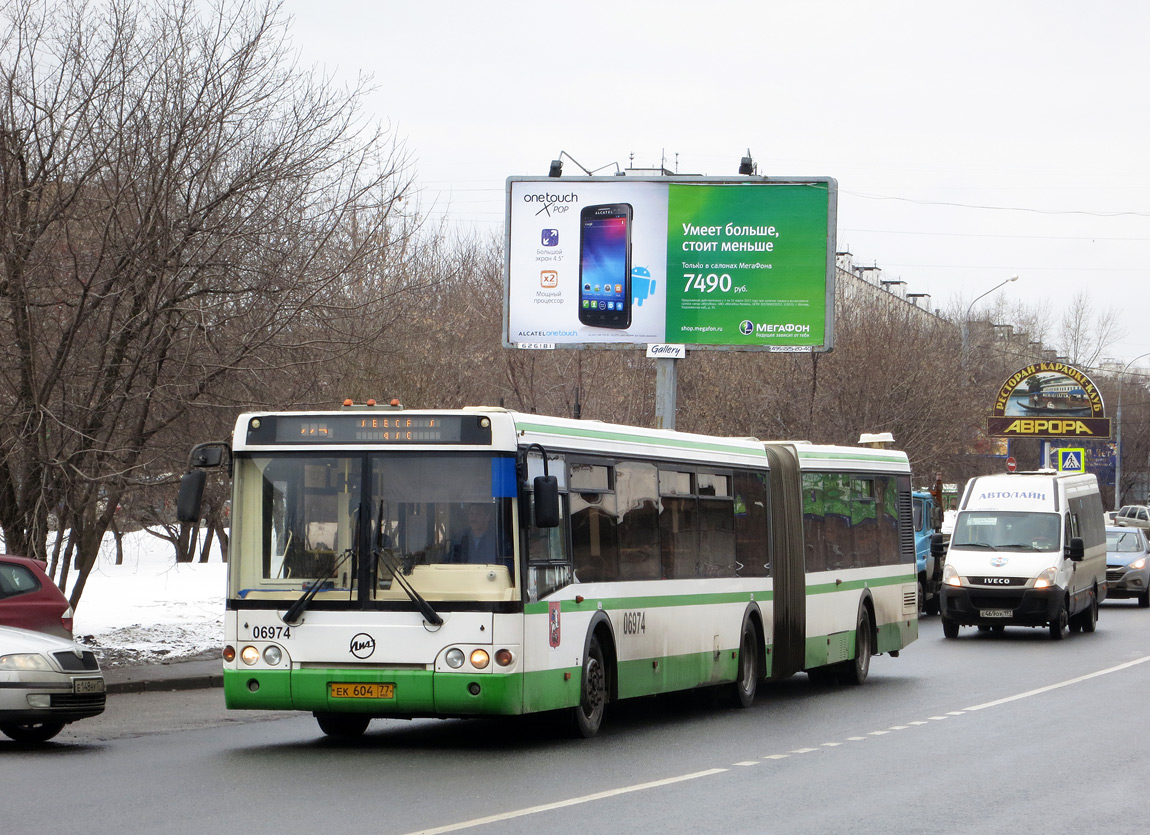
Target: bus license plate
(88, 685)
(339, 690)
(995, 613)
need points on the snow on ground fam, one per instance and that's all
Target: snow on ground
(151, 608)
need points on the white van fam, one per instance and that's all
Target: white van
(1028, 549)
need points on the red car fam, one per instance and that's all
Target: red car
(30, 600)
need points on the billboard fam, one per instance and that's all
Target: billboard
(1049, 400)
(745, 264)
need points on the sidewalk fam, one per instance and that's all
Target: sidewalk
(176, 675)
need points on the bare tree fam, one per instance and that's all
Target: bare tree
(1084, 336)
(183, 215)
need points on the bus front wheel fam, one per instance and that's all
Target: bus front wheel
(593, 698)
(342, 725)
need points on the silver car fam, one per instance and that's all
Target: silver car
(45, 683)
(1128, 564)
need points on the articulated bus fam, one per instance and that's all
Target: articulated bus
(394, 563)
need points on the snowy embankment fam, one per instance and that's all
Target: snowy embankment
(151, 608)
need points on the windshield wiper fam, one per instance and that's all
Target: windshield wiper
(387, 557)
(972, 545)
(291, 616)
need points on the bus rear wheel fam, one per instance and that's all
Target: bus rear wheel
(342, 725)
(745, 686)
(593, 699)
(858, 670)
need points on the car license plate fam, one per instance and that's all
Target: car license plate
(995, 613)
(88, 685)
(340, 690)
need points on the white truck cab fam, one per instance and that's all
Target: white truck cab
(1028, 549)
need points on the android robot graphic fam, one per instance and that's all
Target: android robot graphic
(642, 285)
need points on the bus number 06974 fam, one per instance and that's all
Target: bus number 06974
(270, 633)
(634, 623)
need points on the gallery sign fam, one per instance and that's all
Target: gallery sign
(703, 262)
(1048, 400)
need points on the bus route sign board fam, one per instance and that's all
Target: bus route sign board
(744, 264)
(1048, 400)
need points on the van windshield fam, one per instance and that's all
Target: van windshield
(1007, 530)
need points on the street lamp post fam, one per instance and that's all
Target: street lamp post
(1118, 435)
(966, 318)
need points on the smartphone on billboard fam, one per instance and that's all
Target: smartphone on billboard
(605, 265)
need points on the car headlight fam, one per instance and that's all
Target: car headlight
(950, 576)
(1046, 579)
(1138, 563)
(24, 661)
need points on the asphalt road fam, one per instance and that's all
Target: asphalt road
(986, 733)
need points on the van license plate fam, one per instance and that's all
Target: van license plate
(995, 613)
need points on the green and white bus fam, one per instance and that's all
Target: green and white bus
(476, 562)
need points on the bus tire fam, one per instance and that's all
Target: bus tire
(746, 684)
(949, 627)
(857, 671)
(588, 714)
(343, 725)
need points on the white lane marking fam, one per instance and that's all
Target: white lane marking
(749, 762)
(455, 827)
(1066, 683)
(574, 801)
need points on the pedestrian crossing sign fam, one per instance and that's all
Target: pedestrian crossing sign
(1072, 460)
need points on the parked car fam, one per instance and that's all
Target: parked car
(1128, 564)
(45, 683)
(1133, 516)
(30, 600)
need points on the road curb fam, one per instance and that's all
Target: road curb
(197, 682)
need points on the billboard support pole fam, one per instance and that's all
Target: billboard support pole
(665, 385)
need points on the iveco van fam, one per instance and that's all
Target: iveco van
(1028, 549)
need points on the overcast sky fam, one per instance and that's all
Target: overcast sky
(971, 142)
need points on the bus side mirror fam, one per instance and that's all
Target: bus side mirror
(546, 501)
(1076, 550)
(937, 545)
(191, 496)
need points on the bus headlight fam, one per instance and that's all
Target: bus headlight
(273, 655)
(1046, 579)
(480, 659)
(454, 658)
(950, 576)
(249, 655)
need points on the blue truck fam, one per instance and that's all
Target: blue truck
(927, 507)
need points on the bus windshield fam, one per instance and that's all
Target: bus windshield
(436, 518)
